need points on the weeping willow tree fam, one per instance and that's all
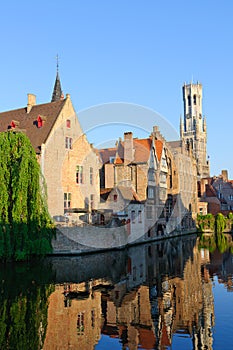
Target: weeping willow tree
(25, 225)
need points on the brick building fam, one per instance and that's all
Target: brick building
(56, 135)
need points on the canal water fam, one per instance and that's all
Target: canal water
(174, 294)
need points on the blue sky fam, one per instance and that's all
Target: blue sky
(133, 51)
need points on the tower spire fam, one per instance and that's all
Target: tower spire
(57, 91)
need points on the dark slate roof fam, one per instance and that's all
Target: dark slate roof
(106, 153)
(28, 121)
(57, 91)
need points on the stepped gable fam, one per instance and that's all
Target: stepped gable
(28, 121)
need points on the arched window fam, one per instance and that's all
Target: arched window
(189, 100)
(194, 99)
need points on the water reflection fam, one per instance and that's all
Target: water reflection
(148, 297)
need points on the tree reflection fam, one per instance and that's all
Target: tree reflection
(222, 242)
(23, 306)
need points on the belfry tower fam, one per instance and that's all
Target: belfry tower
(193, 127)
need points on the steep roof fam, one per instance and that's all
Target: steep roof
(28, 121)
(141, 151)
(159, 148)
(106, 154)
(57, 91)
(127, 193)
(141, 148)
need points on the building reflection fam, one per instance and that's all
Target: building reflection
(161, 291)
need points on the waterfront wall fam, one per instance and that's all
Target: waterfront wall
(89, 238)
(79, 240)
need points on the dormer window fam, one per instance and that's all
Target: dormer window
(68, 123)
(14, 124)
(40, 121)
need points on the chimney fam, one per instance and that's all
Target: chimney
(225, 175)
(128, 148)
(31, 102)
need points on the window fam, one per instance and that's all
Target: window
(80, 323)
(134, 273)
(68, 123)
(92, 201)
(151, 175)
(163, 178)
(115, 197)
(149, 212)
(91, 176)
(164, 163)
(141, 270)
(40, 121)
(12, 124)
(79, 174)
(133, 216)
(194, 99)
(93, 318)
(151, 192)
(139, 216)
(111, 160)
(189, 100)
(68, 142)
(129, 265)
(67, 200)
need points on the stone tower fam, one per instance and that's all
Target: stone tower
(193, 127)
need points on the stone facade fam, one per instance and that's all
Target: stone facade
(217, 193)
(163, 175)
(193, 130)
(56, 135)
(55, 150)
(80, 178)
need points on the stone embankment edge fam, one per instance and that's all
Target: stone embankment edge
(81, 249)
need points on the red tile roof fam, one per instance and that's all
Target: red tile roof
(159, 148)
(28, 121)
(141, 147)
(141, 151)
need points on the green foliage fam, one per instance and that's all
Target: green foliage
(205, 222)
(220, 223)
(25, 225)
(23, 320)
(221, 242)
(207, 242)
(24, 299)
(217, 224)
